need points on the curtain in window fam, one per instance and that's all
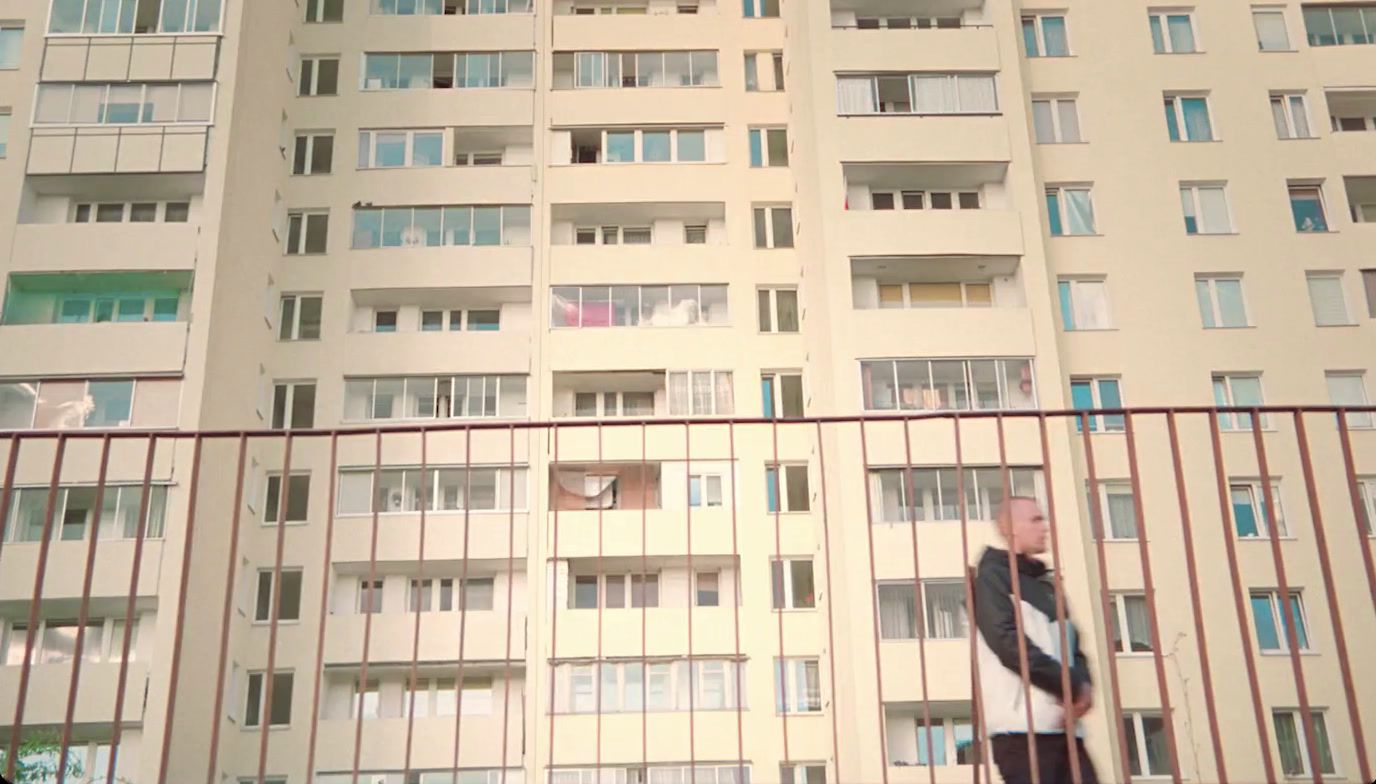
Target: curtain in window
(1181, 33)
(725, 394)
(1287, 739)
(1213, 208)
(945, 610)
(897, 612)
(1122, 517)
(1196, 111)
(1079, 211)
(934, 94)
(855, 95)
(976, 93)
(1139, 631)
(1270, 26)
(678, 394)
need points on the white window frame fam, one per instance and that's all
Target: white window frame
(638, 141)
(617, 400)
(1000, 370)
(14, 633)
(1366, 488)
(787, 600)
(1268, 10)
(306, 160)
(771, 297)
(1237, 420)
(1079, 311)
(720, 379)
(304, 218)
(1355, 419)
(189, 15)
(763, 132)
(786, 672)
(142, 102)
(319, 7)
(498, 379)
(1336, 278)
(1060, 190)
(1317, 187)
(312, 86)
(289, 403)
(1139, 737)
(698, 320)
(610, 235)
(1210, 283)
(603, 73)
(264, 709)
(1278, 620)
(781, 473)
(1120, 611)
(1039, 31)
(503, 479)
(766, 212)
(154, 526)
(925, 198)
(293, 326)
(1159, 15)
(1319, 718)
(777, 389)
(1116, 487)
(755, 9)
(1054, 105)
(1106, 423)
(1191, 190)
(965, 300)
(1178, 110)
(1287, 126)
(1256, 498)
(367, 144)
(271, 585)
(710, 487)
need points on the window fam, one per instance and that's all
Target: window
(1206, 209)
(1221, 305)
(612, 589)
(1044, 35)
(4, 130)
(55, 641)
(1327, 300)
(433, 397)
(1130, 613)
(449, 7)
(365, 703)
(947, 384)
(11, 45)
(370, 596)
(1087, 393)
(1293, 747)
(104, 17)
(695, 234)
(1366, 488)
(935, 294)
(279, 711)
(446, 489)
(930, 200)
(1056, 120)
(793, 587)
(319, 76)
(74, 508)
(943, 616)
(936, 497)
(782, 394)
(1237, 390)
(704, 490)
(917, 93)
(1270, 26)
(1369, 285)
(1070, 210)
(701, 393)
(708, 593)
(1291, 116)
(1349, 389)
(290, 608)
(446, 70)
(1187, 118)
(778, 310)
(384, 321)
(1249, 509)
(657, 685)
(299, 317)
(617, 235)
(438, 595)
(314, 153)
(298, 496)
(1306, 205)
(124, 103)
(1273, 622)
(794, 493)
(1172, 32)
(1146, 742)
(93, 403)
(1084, 304)
(293, 405)
(306, 232)
(613, 404)
(638, 306)
(1340, 25)
(803, 774)
(416, 227)
(1116, 500)
(757, 9)
(324, 10)
(136, 212)
(774, 227)
(643, 69)
(797, 686)
(392, 149)
(768, 147)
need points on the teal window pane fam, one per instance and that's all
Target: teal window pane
(487, 225)
(1268, 637)
(75, 311)
(367, 228)
(1301, 634)
(1158, 41)
(1244, 514)
(756, 149)
(771, 482)
(1197, 125)
(394, 223)
(1067, 308)
(111, 403)
(427, 149)
(1054, 37)
(1172, 127)
(620, 147)
(1110, 397)
(1082, 399)
(165, 309)
(937, 754)
(1029, 36)
(130, 309)
(457, 221)
(656, 146)
(767, 392)
(1053, 213)
(1181, 33)
(1206, 306)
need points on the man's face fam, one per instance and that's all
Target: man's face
(1027, 527)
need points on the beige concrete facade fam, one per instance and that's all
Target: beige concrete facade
(801, 209)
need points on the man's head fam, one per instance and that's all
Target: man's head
(1023, 525)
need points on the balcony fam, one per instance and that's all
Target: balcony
(94, 349)
(932, 233)
(46, 701)
(117, 150)
(114, 58)
(484, 633)
(941, 37)
(439, 267)
(883, 138)
(621, 32)
(66, 247)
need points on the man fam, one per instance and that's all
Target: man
(1024, 528)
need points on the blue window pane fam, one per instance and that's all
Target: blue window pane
(756, 150)
(1268, 638)
(1158, 42)
(1301, 634)
(656, 146)
(694, 491)
(938, 745)
(1082, 399)
(111, 403)
(1244, 515)
(1053, 213)
(767, 391)
(620, 147)
(1172, 127)
(428, 149)
(1181, 32)
(1308, 212)
(487, 225)
(1197, 125)
(1109, 397)
(1029, 37)
(1053, 33)
(749, 9)
(391, 149)
(1067, 310)
(771, 483)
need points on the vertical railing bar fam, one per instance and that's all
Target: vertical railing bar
(216, 717)
(831, 630)
(265, 714)
(1192, 573)
(6, 496)
(602, 600)
(1272, 519)
(463, 599)
(736, 663)
(779, 494)
(84, 614)
(140, 535)
(169, 720)
(554, 593)
(510, 592)
(427, 496)
(1363, 523)
(1149, 594)
(31, 633)
(1062, 614)
(693, 679)
(976, 693)
(1015, 580)
(1225, 512)
(919, 608)
(644, 613)
(362, 684)
(874, 606)
(1096, 523)
(325, 568)
(1339, 636)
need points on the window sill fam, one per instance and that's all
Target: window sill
(1051, 56)
(1339, 326)
(1059, 236)
(1177, 54)
(433, 512)
(285, 524)
(1286, 654)
(1063, 144)
(1278, 51)
(136, 36)
(1090, 329)
(1267, 538)
(1316, 231)
(1196, 141)
(280, 623)
(1297, 138)
(1212, 234)
(1135, 655)
(1225, 328)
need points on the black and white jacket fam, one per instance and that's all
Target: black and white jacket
(1000, 672)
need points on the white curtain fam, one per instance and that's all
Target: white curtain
(855, 95)
(976, 93)
(725, 402)
(933, 94)
(897, 612)
(678, 394)
(1139, 632)
(1213, 211)
(945, 610)
(1079, 211)
(1122, 517)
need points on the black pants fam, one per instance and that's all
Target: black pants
(1053, 759)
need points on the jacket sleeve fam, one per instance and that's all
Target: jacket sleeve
(998, 626)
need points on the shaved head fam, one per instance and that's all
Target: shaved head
(1023, 525)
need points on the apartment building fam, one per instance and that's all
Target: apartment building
(442, 258)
